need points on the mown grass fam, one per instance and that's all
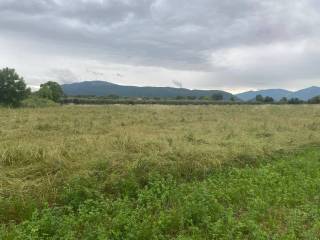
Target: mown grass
(159, 172)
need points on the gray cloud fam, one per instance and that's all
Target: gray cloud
(63, 76)
(177, 84)
(224, 39)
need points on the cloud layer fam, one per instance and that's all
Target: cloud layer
(201, 44)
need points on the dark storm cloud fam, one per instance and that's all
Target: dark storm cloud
(175, 34)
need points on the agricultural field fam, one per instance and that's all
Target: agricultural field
(160, 172)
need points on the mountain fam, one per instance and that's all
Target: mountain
(306, 94)
(102, 88)
(276, 94)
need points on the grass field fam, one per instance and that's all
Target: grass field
(160, 172)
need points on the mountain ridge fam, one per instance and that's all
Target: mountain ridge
(303, 94)
(276, 94)
(104, 88)
(306, 93)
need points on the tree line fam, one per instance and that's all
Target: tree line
(13, 89)
(260, 99)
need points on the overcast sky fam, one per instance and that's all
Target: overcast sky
(233, 45)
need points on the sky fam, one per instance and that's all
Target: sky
(232, 45)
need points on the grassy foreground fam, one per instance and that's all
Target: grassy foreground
(160, 172)
(279, 200)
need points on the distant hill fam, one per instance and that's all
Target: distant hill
(102, 88)
(277, 94)
(306, 94)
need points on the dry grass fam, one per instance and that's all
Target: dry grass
(42, 149)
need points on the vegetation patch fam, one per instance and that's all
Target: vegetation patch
(140, 172)
(36, 102)
(279, 200)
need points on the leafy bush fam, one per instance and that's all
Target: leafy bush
(36, 102)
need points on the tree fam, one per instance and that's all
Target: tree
(180, 98)
(268, 99)
(259, 98)
(191, 97)
(12, 88)
(314, 100)
(204, 98)
(217, 97)
(295, 101)
(284, 100)
(51, 90)
(113, 96)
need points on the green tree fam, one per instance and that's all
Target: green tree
(314, 100)
(295, 101)
(51, 90)
(217, 97)
(180, 98)
(259, 98)
(268, 99)
(204, 98)
(284, 100)
(191, 97)
(12, 88)
(113, 96)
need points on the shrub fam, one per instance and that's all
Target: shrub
(36, 102)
